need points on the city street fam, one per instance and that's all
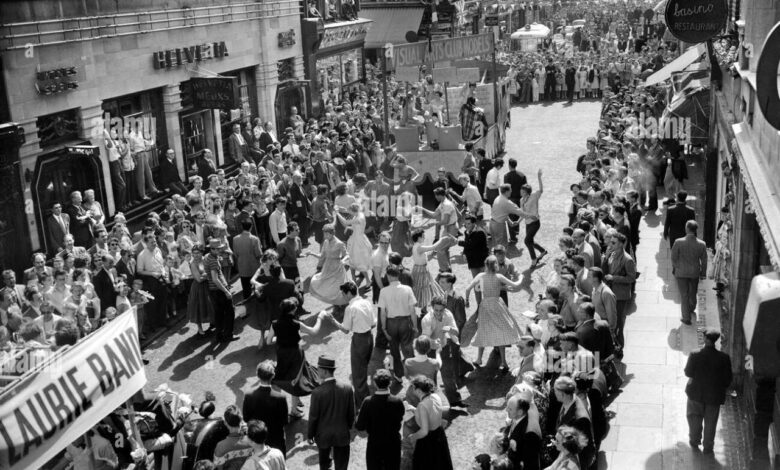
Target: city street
(542, 136)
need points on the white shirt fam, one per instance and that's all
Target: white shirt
(473, 199)
(277, 222)
(397, 300)
(434, 328)
(359, 316)
(150, 261)
(492, 180)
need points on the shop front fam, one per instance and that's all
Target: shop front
(333, 59)
(14, 242)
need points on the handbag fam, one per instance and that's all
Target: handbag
(612, 374)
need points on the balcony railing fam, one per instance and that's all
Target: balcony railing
(69, 30)
(332, 11)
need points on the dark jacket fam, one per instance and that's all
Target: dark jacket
(577, 417)
(298, 205)
(634, 218)
(122, 268)
(206, 168)
(674, 225)
(709, 372)
(596, 337)
(528, 443)
(331, 414)
(56, 234)
(516, 179)
(277, 290)
(104, 288)
(269, 406)
(475, 248)
(168, 172)
(381, 416)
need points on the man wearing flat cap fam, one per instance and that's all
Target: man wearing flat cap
(709, 376)
(331, 415)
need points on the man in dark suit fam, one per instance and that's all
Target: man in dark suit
(104, 283)
(247, 251)
(689, 265)
(331, 416)
(674, 225)
(81, 222)
(299, 207)
(126, 265)
(634, 218)
(516, 179)
(522, 437)
(381, 416)
(239, 150)
(206, 166)
(709, 372)
(594, 335)
(574, 413)
(57, 226)
(168, 176)
(269, 406)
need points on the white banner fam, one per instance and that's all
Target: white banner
(49, 408)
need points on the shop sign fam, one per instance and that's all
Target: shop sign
(766, 78)
(491, 20)
(464, 47)
(287, 38)
(696, 21)
(63, 395)
(83, 150)
(215, 93)
(54, 81)
(342, 34)
(187, 55)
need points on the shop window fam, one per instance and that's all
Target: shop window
(57, 128)
(194, 138)
(145, 109)
(229, 117)
(336, 73)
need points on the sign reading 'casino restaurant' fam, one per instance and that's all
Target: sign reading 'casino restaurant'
(464, 47)
(696, 21)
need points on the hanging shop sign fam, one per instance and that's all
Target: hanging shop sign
(287, 38)
(766, 78)
(464, 47)
(215, 93)
(491, 20)
(55, 81)
(62, 396)
(344, 33)
(695, 21)
(83, 150)
(172, 58)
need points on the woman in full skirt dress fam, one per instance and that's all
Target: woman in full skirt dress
(431, 449)
(496, 327)
(401, 236)
(358, 245)
(294, 374)
(341, 203)
(199, 307)
(331, 273)
(425, 287)
(255, 308)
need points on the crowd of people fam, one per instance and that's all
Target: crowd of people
(611, 49)
(327, 188)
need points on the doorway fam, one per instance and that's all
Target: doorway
(288, 96)
(14, 239)
(196, 135)
(57, 175)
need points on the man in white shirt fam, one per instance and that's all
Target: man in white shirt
(399, 318)
(140, 148)
(151, 265)
(447, 215)
(470, 197)
(277, 221)
(379, 262)
(493, 181)
(439, 325)
(359, 319)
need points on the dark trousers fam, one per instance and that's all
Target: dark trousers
(570, 91)
(224, 314)
(359, 355)
(292, 273)
(688, 287)
(491, 195)
(401, 337)
(620, 309)
(702, 418)
(383, 455)
(514, 230)
(340, 457)
(178, 188)
(530, 233)
(549, 88)
(118, 182)
(303, 225)
(155, 309)
(246, 286)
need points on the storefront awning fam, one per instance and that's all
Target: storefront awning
(677, 65)
(391, 25)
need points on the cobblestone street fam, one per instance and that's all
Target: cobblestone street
(649, 430)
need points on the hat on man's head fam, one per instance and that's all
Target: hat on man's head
(288, 130)
(216, 244)
(326, 362)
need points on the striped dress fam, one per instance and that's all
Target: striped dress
(425, 287)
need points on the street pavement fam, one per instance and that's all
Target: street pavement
(649, 430)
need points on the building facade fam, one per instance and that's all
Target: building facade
(71, 72)
(743, 219)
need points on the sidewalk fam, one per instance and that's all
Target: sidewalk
(650, 430)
